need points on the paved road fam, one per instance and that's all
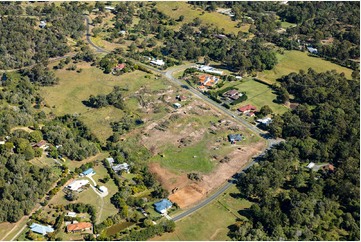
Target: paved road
(168, 74)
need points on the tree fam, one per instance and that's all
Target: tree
(36, 136)
(264, 111)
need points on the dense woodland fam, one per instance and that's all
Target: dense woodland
(24, 43)
(292, 202)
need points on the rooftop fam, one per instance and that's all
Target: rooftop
(162, 204)
(78, 226)
(41, 229)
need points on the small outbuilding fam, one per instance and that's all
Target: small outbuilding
(235, 137)
(177, 105)
(88, 172)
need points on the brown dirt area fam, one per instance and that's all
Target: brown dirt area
(190, 192)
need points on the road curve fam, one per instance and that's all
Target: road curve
(169, 76)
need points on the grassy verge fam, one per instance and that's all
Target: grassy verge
(210, 222)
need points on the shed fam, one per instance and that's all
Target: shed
(310, 165)
(87, 172)
(177, 105)
(110, 160)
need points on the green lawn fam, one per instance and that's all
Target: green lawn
(90, 197)
(258, 95)
(293, 61)
(210, 222)
(185, 9)
(287, 25)
(73, 88)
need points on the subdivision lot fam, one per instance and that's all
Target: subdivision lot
(196, 142)
(176, 9)
(293, 61)
(210, 222)
(67, 97)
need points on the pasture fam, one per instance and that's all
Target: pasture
(176, 9)
(293, 61)
(67, 97)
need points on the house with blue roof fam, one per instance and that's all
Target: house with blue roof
(41, 229)
(162, 206)
(88, 172)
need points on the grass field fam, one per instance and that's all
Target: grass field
(210, 222)
(258, 95)
(73, 88)
(293, 61)
(197, 156)
(217, 19)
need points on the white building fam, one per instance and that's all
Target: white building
(75, 185)
(265, 121)
(158, 62)
(209, 69)
(71, 214)
(121, 167)
(177, 105)
(311, 165)
(109, 8)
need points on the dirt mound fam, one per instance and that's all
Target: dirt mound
(168, 179)
(190, 194)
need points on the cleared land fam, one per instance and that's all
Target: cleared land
(73, 88)
(210, 222)
(196, 142)
(176, 9)
(293, 61)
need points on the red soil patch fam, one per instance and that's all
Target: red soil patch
(190, 192)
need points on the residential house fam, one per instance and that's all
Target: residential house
(232, 94)
(234, 137)
(264, 121)
(71, 214)
(220, 36)
(247, 108)
(209, 69)
(119, 67)
(41, 229)
(158, 62)
(310, 165)
(250, 114)
(312, 50)
(110, 160)
(208, 80)
(121, 167)
(79, 227)
(177, 105)
(76, 185)
(41, 144)
(88, 172)
(162, 206)
(122, 32)
(328, 168)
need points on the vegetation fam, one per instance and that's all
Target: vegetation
(292, 202)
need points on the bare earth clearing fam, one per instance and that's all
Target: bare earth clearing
(187, 192)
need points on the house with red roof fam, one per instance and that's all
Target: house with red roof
(119, 67)
(247, 108)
